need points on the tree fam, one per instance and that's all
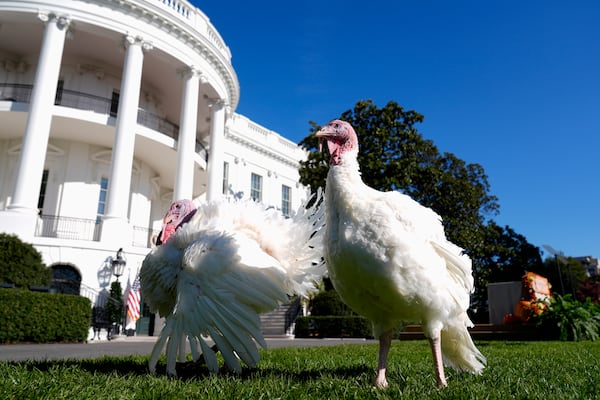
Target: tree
(566, 277)
(505, 256)
(114, 305)
(21, 264)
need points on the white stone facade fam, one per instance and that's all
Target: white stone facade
(110, 110)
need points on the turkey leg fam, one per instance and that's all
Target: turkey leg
(385, 341)
(436, 349)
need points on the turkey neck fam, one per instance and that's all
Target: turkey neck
(344, 181)
(343, 191)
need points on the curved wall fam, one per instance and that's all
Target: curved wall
(188, 92)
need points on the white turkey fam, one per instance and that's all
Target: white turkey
(389, 260)
(211, 276)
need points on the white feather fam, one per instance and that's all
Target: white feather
(390, 261)
(218, 272)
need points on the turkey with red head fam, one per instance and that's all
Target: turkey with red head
(220, 265)
(389, 260)
(179, 213)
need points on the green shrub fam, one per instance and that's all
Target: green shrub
(21, 264)
(331, 317)
(27, 316)
(568, 319)
(329, 303)
(333, 327)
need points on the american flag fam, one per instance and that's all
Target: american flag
(133, 300)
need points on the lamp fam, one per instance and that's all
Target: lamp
(118, 264)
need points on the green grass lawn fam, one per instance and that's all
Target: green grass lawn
(516, 370)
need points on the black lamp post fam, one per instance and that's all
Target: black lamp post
(118, 264)
(118, 267)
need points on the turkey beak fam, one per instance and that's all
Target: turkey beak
(168, 219)
(321, 135)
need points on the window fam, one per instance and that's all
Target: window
(102, 199)
(114, 104)
(225, 177)
(286, 200)
(43, 187)
(256, 187)
(66, 279)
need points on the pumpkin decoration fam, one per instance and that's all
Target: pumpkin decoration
(536, 293)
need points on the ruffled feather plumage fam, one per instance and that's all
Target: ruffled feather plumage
(214, 276)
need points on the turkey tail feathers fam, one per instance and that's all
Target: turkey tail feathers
(306, 239)
(458, 264)
(459, 351)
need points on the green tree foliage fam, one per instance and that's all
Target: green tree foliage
(566, 277)
(505, 256)
(393, 155)
(21, 264)
(114, 307)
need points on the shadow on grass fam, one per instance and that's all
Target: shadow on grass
(106, 365)
(197, 370)
(188, 371)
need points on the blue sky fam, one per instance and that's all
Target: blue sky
(511, 85)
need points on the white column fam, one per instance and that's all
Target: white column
(37, 128)
(115, 226)
(186, 142)
(215, 157)
(20, 217)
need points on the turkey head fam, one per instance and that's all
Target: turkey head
(180, 212)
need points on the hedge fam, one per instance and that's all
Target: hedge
(333, 327)
(329, 303)
(21, 264)
(27, 316)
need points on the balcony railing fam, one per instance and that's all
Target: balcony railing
(143, 236)
(15, 92)
(90, 102)
(101, 105)
(84, 229)
(67, 228)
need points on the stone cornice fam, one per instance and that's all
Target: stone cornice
(177, 21)
(261, 149)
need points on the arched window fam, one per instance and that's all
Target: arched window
(66, 279)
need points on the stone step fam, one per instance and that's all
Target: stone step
(273, 323)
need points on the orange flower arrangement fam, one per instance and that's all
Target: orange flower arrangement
(536, 294)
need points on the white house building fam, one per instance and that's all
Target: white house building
(109, 111)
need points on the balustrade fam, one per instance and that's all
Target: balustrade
(70, 228)
(86, 101)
